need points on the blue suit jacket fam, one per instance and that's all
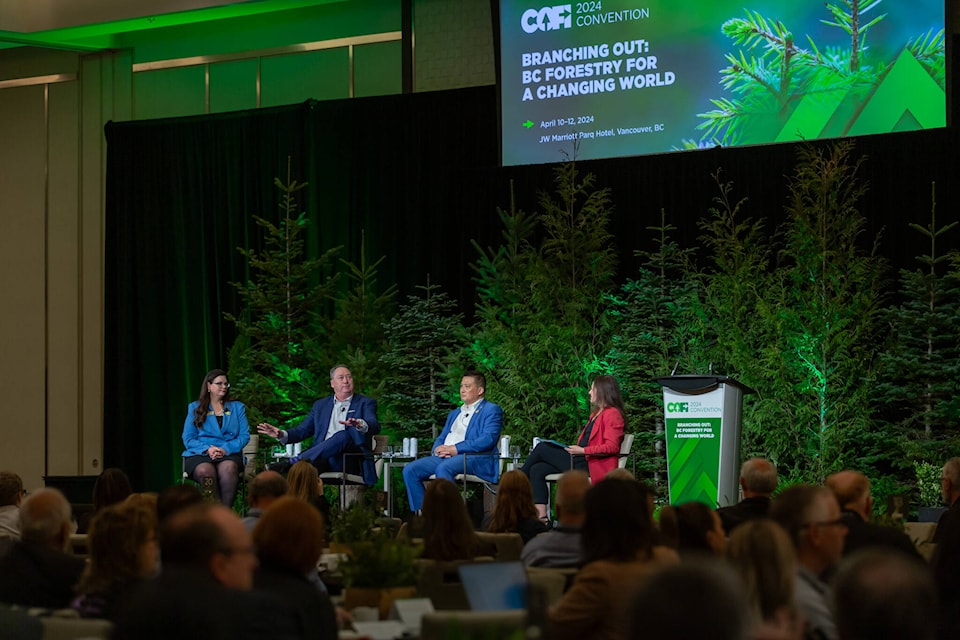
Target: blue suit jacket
(483, 437)
(232, 437)
(317, 423)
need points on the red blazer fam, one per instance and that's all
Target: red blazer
(605, 438)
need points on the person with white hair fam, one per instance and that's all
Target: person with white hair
(37, 571)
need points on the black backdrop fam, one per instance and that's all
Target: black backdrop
(419, 174)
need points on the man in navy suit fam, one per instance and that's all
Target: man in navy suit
(472, 429)
(343, 423)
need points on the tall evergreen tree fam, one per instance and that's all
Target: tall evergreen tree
(424, 344)
(356, 331)
(828, 303)
(541, 314)
(280, 330)
(918, 386)
(656, 329)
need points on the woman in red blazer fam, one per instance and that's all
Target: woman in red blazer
(596, 448)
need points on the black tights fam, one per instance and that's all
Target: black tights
(226, 476)
(546, 459)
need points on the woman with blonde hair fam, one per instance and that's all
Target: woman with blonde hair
(514, 510)
(305, 483)
(761, 552)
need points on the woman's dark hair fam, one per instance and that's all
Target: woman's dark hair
(117, 534)
(447, 530)
(608, 394)
(111, 487)
(203, 401)
(617, 525)
(514, 502)
(684, 527)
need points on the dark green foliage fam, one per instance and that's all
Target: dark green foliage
(356, 330)
(542, 325)
(734, 285)
(828, 298)
(423, 345)
(656, 328)
(280, 330)
(917, 388)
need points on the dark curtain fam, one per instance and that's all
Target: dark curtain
(419, 175)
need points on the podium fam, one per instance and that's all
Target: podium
(702, 427)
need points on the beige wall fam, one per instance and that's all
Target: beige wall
(53, 106)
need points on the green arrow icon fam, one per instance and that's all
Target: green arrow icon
(528, 124)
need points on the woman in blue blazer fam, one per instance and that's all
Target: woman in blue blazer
(214, 435)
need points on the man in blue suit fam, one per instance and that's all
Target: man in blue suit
(343, 423)
(472, 429)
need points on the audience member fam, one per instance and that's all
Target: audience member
(264, 490)
(882, 594)
(176, 498)
(692, 527)
(758, 479)
(204, 587)
(123, 552)
(112, 486)
(472, 429)
(693, 600)
(305, 483)
(561, 546)
(448, 533)
(11, 494)
(37, 571)
(618, 554)
(852, 491)
(946, 556)
(597, 448)
(514, 511)
(811, 517)
(288, 538)
(761, 553)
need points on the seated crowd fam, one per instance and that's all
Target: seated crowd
(802, 563)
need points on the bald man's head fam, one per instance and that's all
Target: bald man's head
(571, 488)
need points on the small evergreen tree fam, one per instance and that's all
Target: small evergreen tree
(424, 342)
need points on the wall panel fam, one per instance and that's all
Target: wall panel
(169, 93)
(22, 340)
(63, 277)
(289, 79)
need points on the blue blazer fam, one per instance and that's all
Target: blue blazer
(232, 437)
(483, 437)
(317, 423)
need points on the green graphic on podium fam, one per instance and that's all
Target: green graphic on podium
(702, 421)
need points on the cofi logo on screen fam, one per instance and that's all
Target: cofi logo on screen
(673, 407)
(546, 19)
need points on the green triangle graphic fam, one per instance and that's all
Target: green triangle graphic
(908, 88)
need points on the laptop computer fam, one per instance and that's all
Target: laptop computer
(494, 586)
